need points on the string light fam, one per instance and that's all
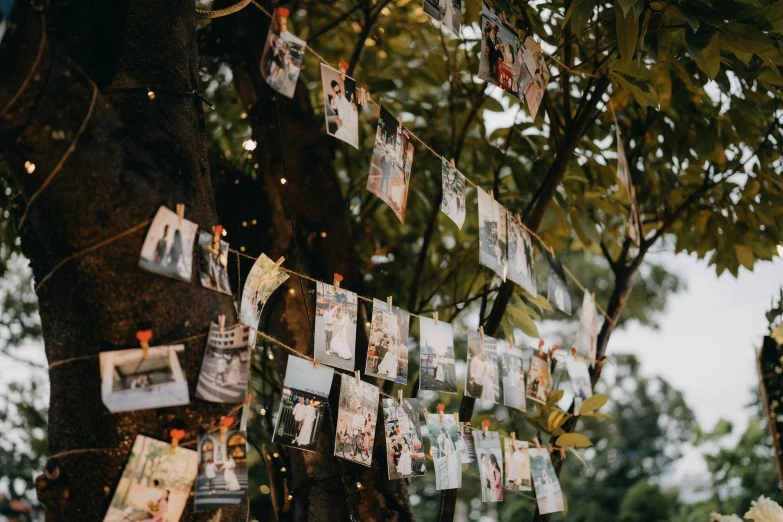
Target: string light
(249, 145)
(275, 454)
(151, 94)
(282, 470)
(283, 181)
(358, 485)
(264, 489)
(323, 234)
(225, 232)
(29, 166)
(263, 411)
(271, 356)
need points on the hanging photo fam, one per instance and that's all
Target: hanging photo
(155, 484)
(482, 380)
(283, 54)
(557, 290)
(579, 376)
(341, 106)
(501, 61)
(490, 461)
(447, 12)
(538, 378)
(390, 168)
(263, 279)
(436, 349)
(222, 470)
(443, 432)
(539, 75)
(303, 405)
(624, 175)
(226, 364)
(521, 268)
(129, 381)
(213, 263)
(517, 465)
(465, 446)
(492, 235)
(545, 482)
(335, 326)
(513, 378)
(453, 202)
(387, 354)
(404, 453)
(586, 341)
(168, 247)
(356, 420)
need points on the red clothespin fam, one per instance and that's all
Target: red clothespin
(225, 424)
(441, 407)
(144, 337)
(176, 436)
(573, 352)
(180, 214)
(343, 67)
(282, 16)
(485, 427)
(250, 398)
(221, 323)
(554, 349)
(435, 317)
(216, 231)
(540, 346)
(337, 279)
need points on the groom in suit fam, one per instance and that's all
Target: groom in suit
(329, 322)
(385, 172)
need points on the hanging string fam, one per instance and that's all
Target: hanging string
(204, 13)
(30, 74)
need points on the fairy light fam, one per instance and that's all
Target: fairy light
(283, 181)
(358, 485)
(242, 248)
(151, 94)
(254, 222)
(225, 232)
(275, 454)
(282, 470)
(244, 115)
(323, 234)
(265, 489)
(271, 356)
(249, 145)
(290, 497)
(291, 291)
(263, 411)
(244, 223)
(29, 166)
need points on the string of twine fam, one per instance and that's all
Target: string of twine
(205, 13)
(30, 74)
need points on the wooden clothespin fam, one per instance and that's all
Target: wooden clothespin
(491, 195)
(503, 17)
(426, 415)
(399, 396)
(549, 448)
(282, 16)
(216, 231)
(343, 67)
(435, 317)
(562, 453)
(363, 96)
(180, 214)
(441, 407)
(453, 166)
(316, 364)
(337, 279)
(225, 424)
(389, 303)
(399, 120)
(456, 418)
(534, 440)
(279, 262)
(513, 438)
(144, 337)
(481, 333)
(358, 376)
(485, 427)
(176, 436)
(510, 340)
(221, 323)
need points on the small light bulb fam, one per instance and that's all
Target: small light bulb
(249, 145)
(323, 234)
(29, 166)
(358, 485)
(244, 223)
(244, 115)
(275, 454)
(264, 489)
(242, 249)
(290, 497)
(283, 181)
(263, 411)
(151, 94)
(254, 222)
(282, 470)
(225, 232)
(271, 356)
(291, 291)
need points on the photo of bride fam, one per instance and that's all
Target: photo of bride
(521, 266)
(482, 379)
(493, 247)
(222, 464)
(545, 482)
(436, 349)
(262, 280)
(404, 453)
(557, 289)
(490, 458)
(453, 185)
(356, 420)
(447, 12)
(443, 434)
(335, 326)
(224, 370)
(387, 354)
(513, 377)
(517, 465)
(340, 105)
(390, 166)
(168, 247)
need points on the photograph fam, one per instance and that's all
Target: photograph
(465, 446)
(168, 247)
(624, 175)
(545, 482)
(444, 434)
(501, 62)
(335, 326)
(513, 377)
(436, 350)
(557, 289)
(390, 167)
(521, 265)
(222, 470)
(387, 353)
(453, 202)
(282, 57)
(356, 420)
(447, 12)
(262, 280)
(482, 380)
(586, 342)
(226, 363)
(129, 381)
(155, 484)
(303, 405)
(579, 376)
(404, 452)
(213, 263)
(538, 72)
(490, 462)
(538, 377)
(517, 465)
(493, 251)
(340, 106)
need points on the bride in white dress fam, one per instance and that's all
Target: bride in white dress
(232, 484)
(340, 343)
(233, 377)
(404, 465)
(388, 365)
(440, 372)
(306, 432)
(488, 381)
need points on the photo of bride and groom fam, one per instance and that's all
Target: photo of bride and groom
(222, 478)
(404, 453)
(224, 370)
(262, 280)
(168, 247)
(445, 455)
(513, 377)
(335, 326)
(490, 458)
(387, 354)
(356, 420)
(482, 380)
(281, 60)
(340, 106)
(493, 246)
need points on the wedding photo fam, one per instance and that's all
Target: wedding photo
(492, 234)
(213, 264)
(224, 369)
(155, 484)
(465, 446)
(222, 470)
(586, 342)
(521, 266)
(281, 60)
(490, 461)
(356, 420)
(517, 465)
(538, 378)
(129, 381)
(335, 326)
(340, 106)
(263, 279)
(436, 351)
(404, 453)
(390, 167)
(557, 289)
(539, 75)
(443, 436)
(387, 353)
(168, 247)
(453, 202)
(501, 62)
(545, 482)
(513, 378)
(483, 379)
(447, 12)
(304, 403)
(579, 376)
(624, 175)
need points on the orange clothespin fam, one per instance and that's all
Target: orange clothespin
(250, 398)
(279, 262)
(389, 303)
(225, 424)
(316, 364)
(343, 67)
(144, 337)
(399, 396)
(573, 352)
(554, 349)
(481, 333)
(358, 376)
(435, 317)
(540, 346)
(337, 279)
(399, 120)
(216, 231)
(485, 427)
(180, 214)
(441, 407)
(221, 323)
(176, 436)
(282, 16)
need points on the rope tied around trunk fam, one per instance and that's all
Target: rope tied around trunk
(205, 13)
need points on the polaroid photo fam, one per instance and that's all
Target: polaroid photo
(586, 342)
(490, 462)
(521, 266)
(444, 434)
(282, 58)
(466, 448)
(226, 364)
(335, 326)
(493, 246)
(545, 482)
(539, 76)
(129, 381)
(538, 378)
(390, 168)
(341, 106)
(453, 202)
(357, 418)
(436, 350)
(404, 452)
(213, 263)
(513, 378)
(168, 247)
(155, 484)
(222, 470)
(557, 289)
(517, 465)
(501, 62)
(579, 377)
(264, 278)
(387, 354)
(304, 404)
(483, 378)
(447, 12)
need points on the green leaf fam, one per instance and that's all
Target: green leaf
(553, 397)
(745, 256)
(698, 40)
(581, 11)
(556, 419)
(594, 402)
(709, 59)
(627, 27)
(626, 5)
(597, 414)
(745, 38)
(492, 105)
(523, 321)
(576, 440)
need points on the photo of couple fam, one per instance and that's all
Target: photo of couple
(501, 62)
(356, 420)
(390, 167)
(213, 263)
(224, 369)
(436, 350)
(263, 279)
(513, 378)
(490, 459)
(538, 377)
(536, 74)
(493, 246)
(282, 57)
(465, 446)
(586, 342)
(557, 290)
(222, 476)
(335, 326)
(517, 466)
(404, 454)
(545, 482)
(579, 376)
(168, 247)
(387, 354)
(341, 106)
(447, 12)
(453, 202)
(443, 433)
(482, 381)
(521, 267)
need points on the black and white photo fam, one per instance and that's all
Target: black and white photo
(226, 363)
(557, 289)
(579, 376)
(453, 202)
(387, 353)
(168, 247)
(213, 263)
(283, 55)
(341, 106)
(262, 280)
(443, 433)
(493, 247)
(222, 470)
(335, 326)
(513, 377)
(538, 378)
(466, 448)
(390, 166)
(404, 452)
(357, 418)
(490, 462)
(483, 378)
(521, 266)
(517, 465)
(545, 482)
(586, 342)
(501, 61)
(447, 12)
(436, 350)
